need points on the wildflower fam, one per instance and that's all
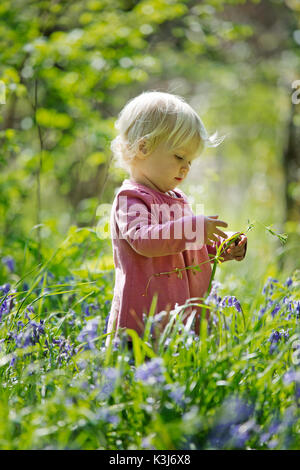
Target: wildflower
(177, 394)
(107, 416)
(240, 434)
(231, 301)
(151, 373)
(275, 310)
(9, 263)
(147, 442)
(291, 376)
(213, 298)
(110, 377)
(233, 424)
(106, 324)
(288, 282)
(261, 312)
(89, 333)
(275, 337)
(4, 289)
(13, 361)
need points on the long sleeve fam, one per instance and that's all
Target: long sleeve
(156, 229)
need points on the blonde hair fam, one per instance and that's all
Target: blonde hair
(158, 117)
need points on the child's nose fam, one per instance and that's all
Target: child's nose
(185, 167)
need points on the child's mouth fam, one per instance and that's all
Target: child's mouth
(178, 179)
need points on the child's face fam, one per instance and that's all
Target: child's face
(163, 169)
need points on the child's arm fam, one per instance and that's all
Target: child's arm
(139, 226)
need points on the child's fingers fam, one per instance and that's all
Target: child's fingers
(221, 223)
(217, 222)
(213, 239)
(222, 234)
(243, 241)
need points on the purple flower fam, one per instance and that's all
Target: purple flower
(106, 324)
(275, 310)
(261, 312)
(275, 337)
(110, 377)
(25, 286)
(178, 395)
(231, 301)
(4, 289)
(24, 339)
(288, 282)
(151, 372)
(106, 416)
(232, 427)
(269, 285)
(13, 361)
(89, 333)
(9, 262)
(291, 376)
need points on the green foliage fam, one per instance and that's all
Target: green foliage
(68, 68)
(61, 389)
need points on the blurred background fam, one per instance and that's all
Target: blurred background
(68, 67)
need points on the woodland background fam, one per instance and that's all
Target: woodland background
(69, 68)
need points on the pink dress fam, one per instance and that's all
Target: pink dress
(149, 236)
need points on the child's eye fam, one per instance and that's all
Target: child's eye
(177, 156)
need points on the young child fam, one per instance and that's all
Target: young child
(154, 232)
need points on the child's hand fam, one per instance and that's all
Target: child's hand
(211, 231)
(236, 250)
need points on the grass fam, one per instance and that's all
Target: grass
(236, 386)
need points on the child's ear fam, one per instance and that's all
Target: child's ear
(142, 152)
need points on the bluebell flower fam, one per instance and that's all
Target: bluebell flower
(4, 289)
(241, 433)
(261, 312)
(269, 285)
(151, 372)
(107, 416)
(9, 263)
(275, 310)
(13, 361)
(56, 341)
(291, 376)
(89, 333)
(106, 324)
(232, 424)
(24, 339)
(296, 306)
(110, 375)
(274, 337)
(177, 394)
(288, 282)
(231, 301)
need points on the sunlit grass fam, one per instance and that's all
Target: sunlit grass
(234, 386)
